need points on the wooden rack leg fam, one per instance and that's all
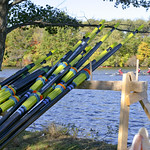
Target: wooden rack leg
(124, 114)
(146, 105)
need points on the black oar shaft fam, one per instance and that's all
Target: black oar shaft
(10, 122)
(64, 58)
(84, 59)
(23, 109)
(96, 65)
(22, 71)
(10, 112)
(29, 78)
(14, 76)
(54, 80)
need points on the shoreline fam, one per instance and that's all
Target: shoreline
(53, 139)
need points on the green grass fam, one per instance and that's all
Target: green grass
(55, 138)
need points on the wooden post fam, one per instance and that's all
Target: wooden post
(137, 68)
(91, 70)
(146, 104)
(124, 114)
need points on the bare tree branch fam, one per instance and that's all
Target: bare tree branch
(15, 2)
(46, 24)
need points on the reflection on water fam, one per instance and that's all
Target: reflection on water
(96, 110)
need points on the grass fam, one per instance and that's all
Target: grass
(55, 138)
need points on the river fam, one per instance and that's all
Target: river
(94, 113)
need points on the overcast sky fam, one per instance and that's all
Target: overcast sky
(96, 9)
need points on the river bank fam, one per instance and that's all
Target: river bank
(55, 138)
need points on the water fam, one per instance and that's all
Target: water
(94, 112)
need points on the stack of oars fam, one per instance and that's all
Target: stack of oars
(29, 99)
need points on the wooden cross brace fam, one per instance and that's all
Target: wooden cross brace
(132, 91)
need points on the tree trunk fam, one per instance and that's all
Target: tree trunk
(3, 27)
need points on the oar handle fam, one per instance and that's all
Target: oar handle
(140, 27)
(43, 58)
(42, 61)
(109, 32)
(96, 30)
(132, 34)
(92, 34)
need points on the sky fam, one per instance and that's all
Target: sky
(96, 9)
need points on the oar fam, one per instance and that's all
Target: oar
(53, 98)
(96, 47)
(14, 99)
(120, 44)
(37, 65)
(79, 63)
(35, 97)
(4, 106)
(21, 111)
(77, 49)
(73, 70)
(79, 60)
(12, 89)
(23, 84)
(25, 69)
(41, 81)
(23, 75)
(26, 106)
(102, 40)
(87, 40)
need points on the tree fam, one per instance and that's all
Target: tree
(61, 42)
(17, 44)
(144, 53)
(135, 3)
(22, 13)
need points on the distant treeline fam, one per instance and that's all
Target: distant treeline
(26, 46)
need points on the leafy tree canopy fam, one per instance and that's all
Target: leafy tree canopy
(24, 47)
(24, 13)
(27, 13)
(135, 3)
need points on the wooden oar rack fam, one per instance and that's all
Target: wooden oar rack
(132, 91)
